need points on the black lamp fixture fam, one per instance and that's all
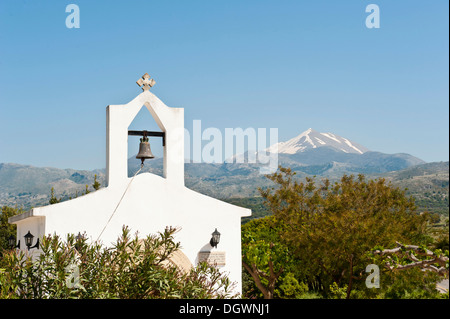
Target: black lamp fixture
(12, 242)
(29, 241)
(78, 241)
(79, 237)
(215, 239)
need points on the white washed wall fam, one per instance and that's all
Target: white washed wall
(151, 202)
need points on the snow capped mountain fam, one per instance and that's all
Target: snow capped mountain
(310, 139)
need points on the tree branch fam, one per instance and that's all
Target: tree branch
(416, 262)
(254, 272)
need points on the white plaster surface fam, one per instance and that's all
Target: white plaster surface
(151, 202)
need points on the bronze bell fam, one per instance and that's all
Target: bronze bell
(144, 150)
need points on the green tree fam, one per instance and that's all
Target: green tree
(96, 184)
(6, 229)
(331, 227)
(53, 199)
(268, 261)
(290, 287)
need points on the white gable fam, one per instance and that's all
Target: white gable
(148, 203)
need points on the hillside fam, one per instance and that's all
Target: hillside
(29, 186)
(428, 183)
(309, 154)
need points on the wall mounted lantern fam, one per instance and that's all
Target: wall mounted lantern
(12, 242)
(215, 239)
(29, 241)
(78, 241)
(79, 237)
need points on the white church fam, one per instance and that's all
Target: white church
(146, 203)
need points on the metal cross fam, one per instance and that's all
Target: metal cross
(145, 82)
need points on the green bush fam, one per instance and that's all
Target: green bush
(291, 288)
(131, 269)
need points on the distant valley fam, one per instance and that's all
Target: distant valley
(309, 154)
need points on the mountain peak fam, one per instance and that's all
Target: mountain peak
(311, 139)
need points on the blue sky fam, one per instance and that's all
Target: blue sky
(285, 64)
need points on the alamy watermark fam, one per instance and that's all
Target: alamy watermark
(73, 278)
(373, 19)
(211, 145)
(373, 280)
(73, 19)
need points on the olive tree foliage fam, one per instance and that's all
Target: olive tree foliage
(331, 229)
(269, 262)
(410, 256)
(263, 256)
(6, 229)
(132, 269)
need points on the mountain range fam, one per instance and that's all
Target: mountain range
(311, 139)
(310, 153)
(317, 153)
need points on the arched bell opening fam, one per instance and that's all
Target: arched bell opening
(145, 146)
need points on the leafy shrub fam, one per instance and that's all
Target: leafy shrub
(132, 269)
(291, 288)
